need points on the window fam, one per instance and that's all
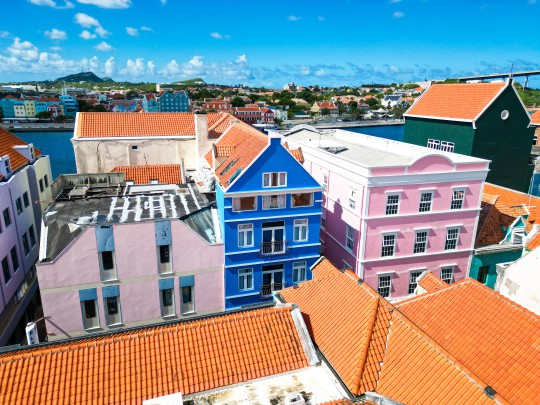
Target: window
(245, 235)
(384, 285)
(352, 199)
(46, 181)
(323, 222)
(165, 263)
(26, 247)
(299, 272)
(154, 181)
(41, 188)
(452, 235)
(108, 270)
(187, 300)
(388, 245)
(325, 181)
(7, 217)
(426, 197)
(113, 314)
(134, 147)
(447, 146)
(90, 314)
(7, 165)
(302, 199)
(457, 199)
(14, 259)
(245, 204)
(32, 236)
(26, 201)
(433, 144)
(300, 230)
(482, 274)
(275, 179)
(447, 274)
(274, 201)
(18, 205)
(518, 234)
(245, 279)
(413, 277)
(5, 269)
(392, 204)
(420, 242)
(349, 238)
(167, 302)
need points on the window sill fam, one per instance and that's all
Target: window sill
(168, 317)
(112, 280)
(115, 325)
(189, 313)
(169, 273)
(94, 329)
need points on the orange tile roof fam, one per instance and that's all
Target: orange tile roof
(129, 367)
(535, 118)
(514, 203)
(326, 104)
(488, 333)
(430, 282)
(7, 142)
(142, 174)
(444, 346)
(248, 143)
(218, 123)
(462, 101)
(534, 242)
(342, 401)
(112, 125)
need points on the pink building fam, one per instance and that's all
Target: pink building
(116, 256)
(393, 209)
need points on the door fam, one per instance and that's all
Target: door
(272, 279)
(273, 237)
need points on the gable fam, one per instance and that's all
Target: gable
(431, 164)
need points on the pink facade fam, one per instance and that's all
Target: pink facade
(373, 176)
(78, 268)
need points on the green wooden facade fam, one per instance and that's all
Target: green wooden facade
(490, 259)
(506, 142)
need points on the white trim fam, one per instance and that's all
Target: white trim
(272, 261)
(444, 252)
(427, 213)
(247, 196)
(270, 173)
(304, 245)
(141, 138)
(435, 117)
(395, 232)
(492, 101)
(523, 105)
(274, 191)
(242, 252)
(341, 245)
(414, 179)
(274, 217)
(393, 191)
(425, 190)
(242, 295)
(390, 272)
(247, 167)
(454, 226)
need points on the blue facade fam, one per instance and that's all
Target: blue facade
(71, 106)
(274, 245)
(169, 102)
(150, 105)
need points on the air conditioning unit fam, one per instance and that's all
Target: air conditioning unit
(295, 399)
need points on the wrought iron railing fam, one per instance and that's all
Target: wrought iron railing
(267, 290)
(273, 248)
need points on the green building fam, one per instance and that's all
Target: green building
(484, 120)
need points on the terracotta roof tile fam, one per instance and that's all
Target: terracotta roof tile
(7, 142)
(514, 203)
(218, 123)
(142, 174)
(535, 118)
(132, 366)
(430, 282)
(326, 104)
(444, 346)
(486, 332)
(462, 101)
(111, 124)
(534, 242)
(342, 401)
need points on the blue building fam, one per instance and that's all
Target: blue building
(71, 106)
(270, 213)
(166, 101)
(149, 103)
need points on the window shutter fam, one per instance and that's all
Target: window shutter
(110, 291)
(163, 233)
(166, 283)
(105, 238)
(88, 294)
(187, 281)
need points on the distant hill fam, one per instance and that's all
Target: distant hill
(88, 77)
(193, 82)
(107, 79)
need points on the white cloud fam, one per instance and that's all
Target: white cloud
(134, 68)
(170, 69)
(320, 18)
(134, 32)
(102, 32)
(163, 2)
(145, 28)
(398, 14)
(241, 59)
(216, 35)
(25, 51)
(151, 67)
(109, 67)
(4, 34)
(87, 35)
(86, 21)
(293, 18)
(55, 48)
(56, 34)
(320, 73)
(108, 3)
(104, 47)
(196, 61)
(52, 3)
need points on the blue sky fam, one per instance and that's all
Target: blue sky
(270, 43)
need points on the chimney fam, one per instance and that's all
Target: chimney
(201, 134)
(5, 167)
(27, 151)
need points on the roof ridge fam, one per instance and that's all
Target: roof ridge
(513, 191)
(222, 118)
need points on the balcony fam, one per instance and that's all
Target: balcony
(267, 290)
(275, 248)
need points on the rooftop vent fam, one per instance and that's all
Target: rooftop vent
(333, 149)
(490, 392)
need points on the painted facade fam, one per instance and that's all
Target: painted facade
(166, 101)
(392, 210)
(270, 211)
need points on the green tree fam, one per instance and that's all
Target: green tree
(325, 111)
(44, 115)
(238, 102)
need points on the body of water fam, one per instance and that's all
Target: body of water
(60, 150)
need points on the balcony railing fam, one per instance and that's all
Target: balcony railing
(273, 248)
(267, 290)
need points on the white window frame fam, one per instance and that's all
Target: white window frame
(102, 270)
(325, 181)
(349, 238)
(384, 243)
(447, 146)
(281, 181)
(244, 280)
(161, 306)
(167, 267)
(300, 224)
(83, 313)
(450, 269)
(119, 322)
(187, 308)
(457, 203)
(381, 283)
(450, 232)
(243, 231)
(352, 198)
(239, 198)
(413, 281)
(426, 203)
(434, 144)
(299, 268)
(281, 201)
(392, 205)
(418, 243)
(302, 206)
(518, 234)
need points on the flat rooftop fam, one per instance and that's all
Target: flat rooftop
(366, 150)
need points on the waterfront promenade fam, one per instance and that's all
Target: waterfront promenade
(39, 127)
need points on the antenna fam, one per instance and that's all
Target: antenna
(512, 70)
